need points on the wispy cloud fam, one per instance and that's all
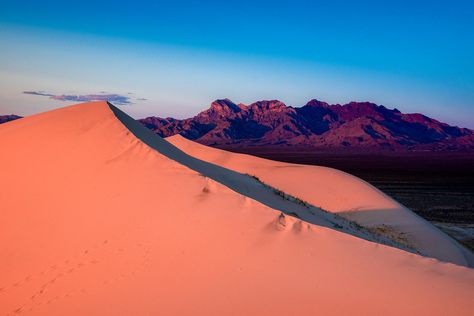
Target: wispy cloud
(115, 98)
(40, 93)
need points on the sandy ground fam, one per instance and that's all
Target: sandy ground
(96, 222)
(341, 193)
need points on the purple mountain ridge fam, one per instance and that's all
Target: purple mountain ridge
(356, 125)
(8, 118)
(271, 123)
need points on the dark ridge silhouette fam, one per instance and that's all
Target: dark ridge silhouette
(8, 118)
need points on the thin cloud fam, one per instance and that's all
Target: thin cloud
(115, 98)
(40, 93)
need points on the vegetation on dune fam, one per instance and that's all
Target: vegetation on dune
(383, 234)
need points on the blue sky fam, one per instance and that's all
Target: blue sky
(172, 58)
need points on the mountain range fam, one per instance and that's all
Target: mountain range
(317, 124)
(8, 118)
(353, 126)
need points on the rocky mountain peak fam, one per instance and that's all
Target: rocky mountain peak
(317, 103)
(268, 105)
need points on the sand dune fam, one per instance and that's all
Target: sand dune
(341, 193)
(247, 185)
(95, 221)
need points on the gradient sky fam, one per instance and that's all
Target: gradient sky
(172, 58)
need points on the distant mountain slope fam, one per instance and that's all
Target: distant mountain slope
(356, 125)
(8, 118)
(353, 126)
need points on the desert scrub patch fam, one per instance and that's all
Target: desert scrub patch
(392, 233)
(302, 202)
(337, 226)
(255, 177)
(294, 214)
(282, 194)
(291, 198)
(356, 225)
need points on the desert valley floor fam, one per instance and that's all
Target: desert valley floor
(100, 216)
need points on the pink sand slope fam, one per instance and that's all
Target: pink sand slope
(94, 221)
(341, 193)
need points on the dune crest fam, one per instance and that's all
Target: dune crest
(95, 221)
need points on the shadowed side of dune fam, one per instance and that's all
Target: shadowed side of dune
(249, 186)
(404, 228)
(341, 193)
